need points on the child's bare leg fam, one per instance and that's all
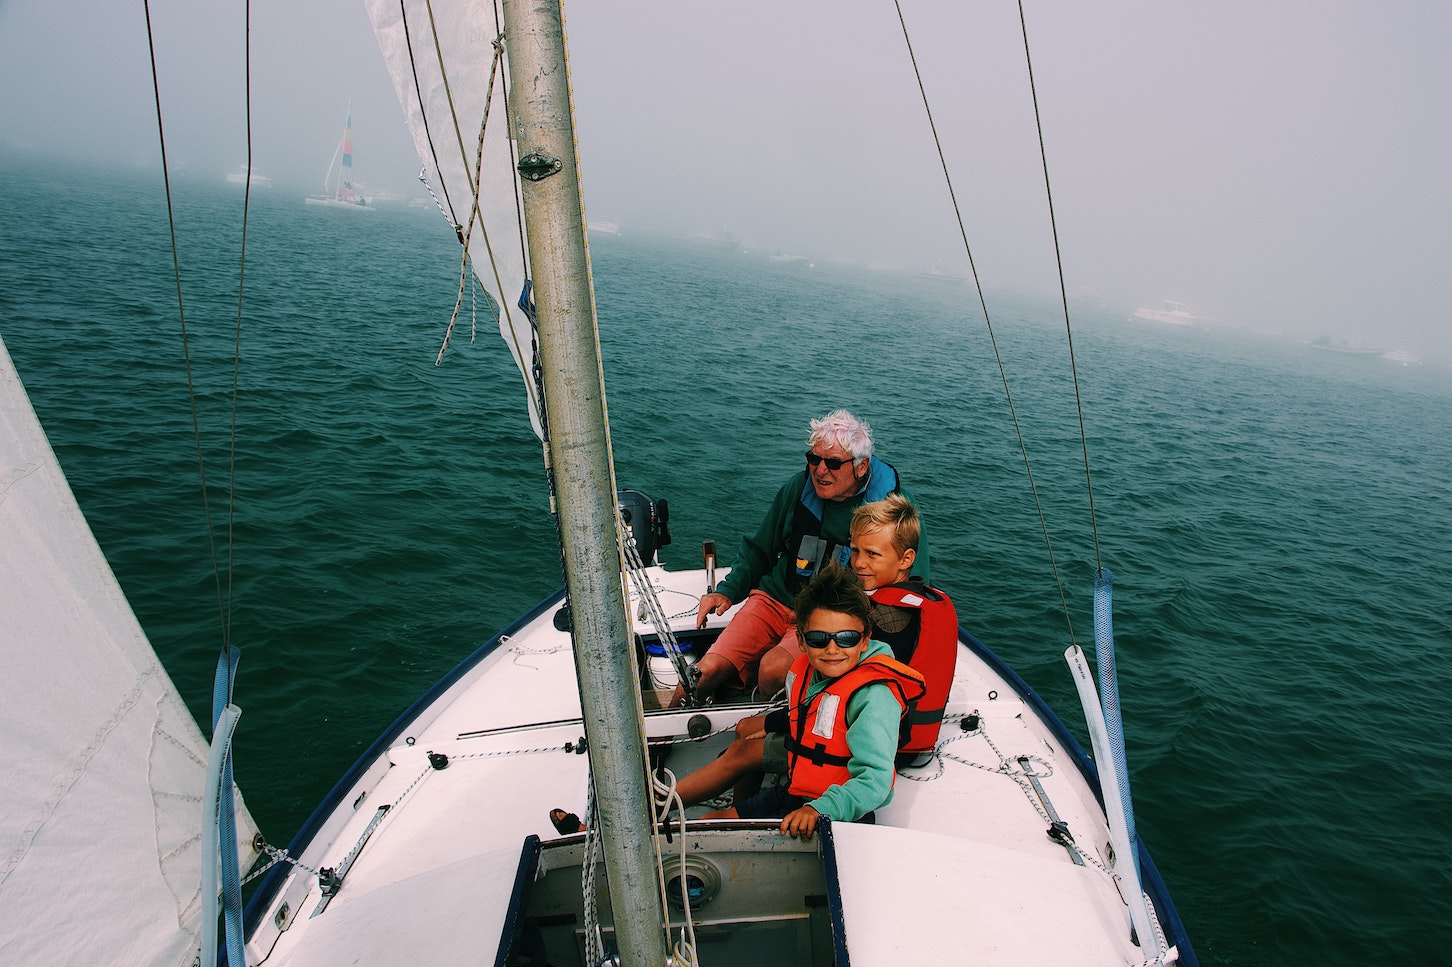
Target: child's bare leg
(727, 813)
(740, 758)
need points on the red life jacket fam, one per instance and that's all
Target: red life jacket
(816, 739)
(935, 657)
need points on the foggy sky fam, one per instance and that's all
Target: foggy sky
(1278, 166)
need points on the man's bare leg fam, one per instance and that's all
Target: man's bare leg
(714, 671)
(771, 675)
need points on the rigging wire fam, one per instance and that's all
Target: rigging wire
(988, 322)
(237, 337)
(1063, 290)
(418, 93)
(223, 600)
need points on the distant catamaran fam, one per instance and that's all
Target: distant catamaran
(339, 188)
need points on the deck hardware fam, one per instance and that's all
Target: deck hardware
(330, 879)
(279, 919)
(438, 760)
(1058, 829)
(579, 746)
(408, 741)
(698, 726)
(970, 722)
(701, 879)
(537, 167)
(993, 694)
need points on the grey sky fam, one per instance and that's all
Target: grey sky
(1279, 166)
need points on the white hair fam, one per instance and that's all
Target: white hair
(842, 429)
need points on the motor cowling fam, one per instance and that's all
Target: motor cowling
(647, 520)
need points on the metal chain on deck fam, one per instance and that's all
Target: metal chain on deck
(1008, 768)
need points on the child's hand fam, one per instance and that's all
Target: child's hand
(751, 727)
(800, 823)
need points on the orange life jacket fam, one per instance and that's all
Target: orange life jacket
(935, 657)
(816, 740)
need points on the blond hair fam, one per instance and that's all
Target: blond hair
(894, 511)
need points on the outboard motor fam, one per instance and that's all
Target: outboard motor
(647, 521)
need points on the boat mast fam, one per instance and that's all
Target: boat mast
(575, 405)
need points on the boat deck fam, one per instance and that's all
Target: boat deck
(959, 865)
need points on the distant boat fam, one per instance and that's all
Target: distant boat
(1401, 356)
(339, 188)
(1346, 346)
(243, 175)
(1173, 313)
(603, 228)
(937, 274)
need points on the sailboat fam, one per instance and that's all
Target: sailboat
(339, 188)
(1007, 845)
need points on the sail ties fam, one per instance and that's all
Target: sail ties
(466, 232)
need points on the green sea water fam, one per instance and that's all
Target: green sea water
(1277, 519)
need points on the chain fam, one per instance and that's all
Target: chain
(1007, 768)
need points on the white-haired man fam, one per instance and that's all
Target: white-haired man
(806, 526)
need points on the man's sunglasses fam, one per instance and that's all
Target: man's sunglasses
(833, 463)
(819, 639)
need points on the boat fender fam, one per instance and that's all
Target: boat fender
(438, 760)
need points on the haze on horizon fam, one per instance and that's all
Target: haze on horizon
(1279, 167)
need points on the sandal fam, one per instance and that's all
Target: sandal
(566, 823)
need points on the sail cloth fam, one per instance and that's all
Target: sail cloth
(439, 55)
(103, 766)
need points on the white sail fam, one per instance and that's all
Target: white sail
(101, 803)
(444, 88)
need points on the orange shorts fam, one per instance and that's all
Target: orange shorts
(760, 625)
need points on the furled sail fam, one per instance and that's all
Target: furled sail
(459, 123)
(101, 803)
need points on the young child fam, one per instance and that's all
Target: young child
(918, 622)
(847, 696)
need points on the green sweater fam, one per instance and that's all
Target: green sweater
(873, 715)
(765, 561)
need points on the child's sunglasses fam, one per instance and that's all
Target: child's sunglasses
(819, 639)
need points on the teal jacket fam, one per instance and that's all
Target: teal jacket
(767, 561)
(873, 715)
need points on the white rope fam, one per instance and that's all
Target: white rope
(594, 942)
(668, 800)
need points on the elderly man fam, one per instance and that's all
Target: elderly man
(806, 526)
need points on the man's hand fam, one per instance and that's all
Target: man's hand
(713, 603)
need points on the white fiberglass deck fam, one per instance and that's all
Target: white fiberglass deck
(959, 866)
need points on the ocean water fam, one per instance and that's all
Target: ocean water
(1277, 519)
